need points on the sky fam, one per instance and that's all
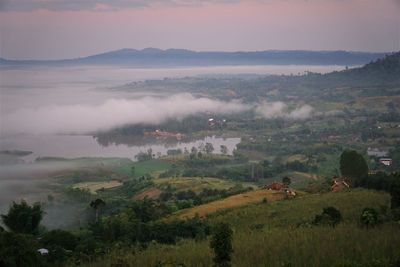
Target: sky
(56, 29)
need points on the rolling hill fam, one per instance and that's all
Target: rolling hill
(182, 57)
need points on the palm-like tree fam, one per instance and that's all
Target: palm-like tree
(97, 205)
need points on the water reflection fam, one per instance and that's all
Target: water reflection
(75, 146)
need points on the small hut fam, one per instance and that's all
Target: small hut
(275, 186)
(339, 183)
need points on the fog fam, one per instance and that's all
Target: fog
(82, 119)
(79, 99)
(28, 181)
(270, 110)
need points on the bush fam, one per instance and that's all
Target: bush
(369, 217)
(329, 216)
(61, 238)
(18, 250)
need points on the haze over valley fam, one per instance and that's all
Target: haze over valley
(199, 133)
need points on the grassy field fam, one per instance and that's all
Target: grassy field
(94, 186)
(152, 193)
(275, 234)
(234, 201)
(144, 167)
(196, 184)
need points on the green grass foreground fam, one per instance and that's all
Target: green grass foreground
(278, 234)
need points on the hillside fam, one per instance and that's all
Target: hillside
(183, 57)
(279, 234)
(252, 197)
(382, 71)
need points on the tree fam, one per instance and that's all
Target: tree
(224, 149)
(353, 166)
(133, 170)
(97, 205)
(286, 181)
(209, 148)
(23, 218)
(59, 238)
(395, 191)
(221, 243)
(369, 217)
(58, 242)
(193, 153)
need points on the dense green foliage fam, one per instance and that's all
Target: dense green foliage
(329, 216)
(353, 166)
(369, 217)
(17, 250)
(221, 243)
(23, 218)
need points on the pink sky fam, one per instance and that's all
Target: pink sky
(63, 32)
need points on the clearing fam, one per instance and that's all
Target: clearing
(94, 186)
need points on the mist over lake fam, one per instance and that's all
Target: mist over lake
(45, 91)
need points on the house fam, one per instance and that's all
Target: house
(159, 134)
(375, 152)
(289, 193)
(43, 251)
(275, 186)
(339, 183)
(211, 122)
(386, 161)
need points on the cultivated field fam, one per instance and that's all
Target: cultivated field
(234, 201)
(94, 186)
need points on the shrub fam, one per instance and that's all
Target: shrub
(369, 217)
(329, 216)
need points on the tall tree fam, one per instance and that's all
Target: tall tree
(286, 181)
(221, 243)
(209, 148)
(23, 218)
(353, 166)
(97, 205)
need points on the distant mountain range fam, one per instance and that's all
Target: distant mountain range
(150, 57)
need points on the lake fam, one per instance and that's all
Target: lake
(73, 146)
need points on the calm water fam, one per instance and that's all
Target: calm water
(73, 146)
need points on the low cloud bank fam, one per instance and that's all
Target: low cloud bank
(271, 110)
(79, 119)
(84, 118)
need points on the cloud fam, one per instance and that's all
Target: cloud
(112, 113)
(271, 110)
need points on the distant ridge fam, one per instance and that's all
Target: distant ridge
(383, 70)
(149, 57)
